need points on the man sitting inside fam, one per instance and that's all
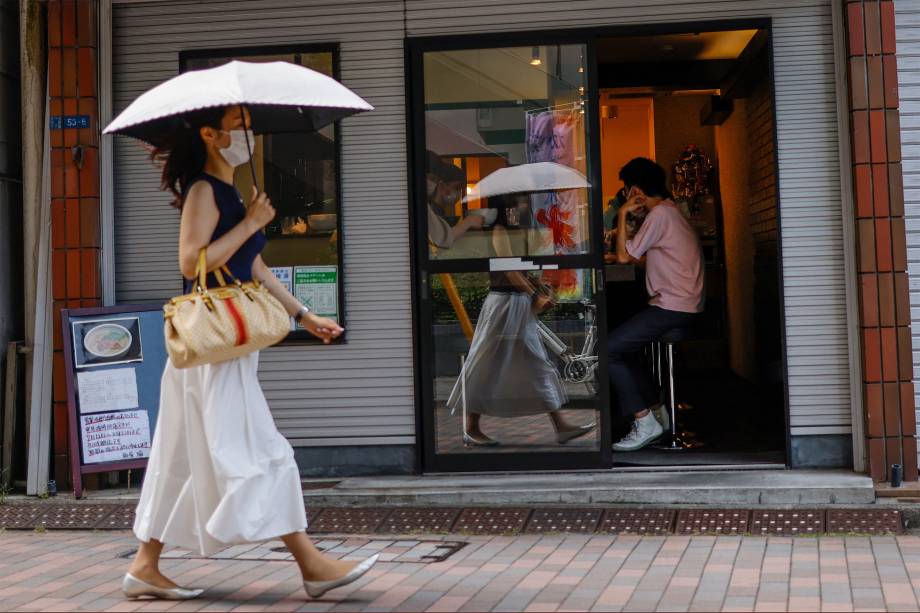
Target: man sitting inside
(674, 281)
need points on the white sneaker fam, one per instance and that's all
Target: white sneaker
(645, 430)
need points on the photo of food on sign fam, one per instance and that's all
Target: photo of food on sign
(108, 341)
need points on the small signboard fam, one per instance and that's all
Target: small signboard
(114, 359)
(67, 122)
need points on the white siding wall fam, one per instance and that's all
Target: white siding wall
(358, 393)
(362, 393)
(907, 21)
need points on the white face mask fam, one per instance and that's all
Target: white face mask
(238, 152)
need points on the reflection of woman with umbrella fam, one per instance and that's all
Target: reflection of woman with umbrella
(219, 471)
(508, 372)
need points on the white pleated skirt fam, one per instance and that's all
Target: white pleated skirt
(508, 372)
(219, 472)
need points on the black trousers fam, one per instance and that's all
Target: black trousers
(630, 381)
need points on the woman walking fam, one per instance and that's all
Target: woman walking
(219, 471)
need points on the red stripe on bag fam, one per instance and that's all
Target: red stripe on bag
(238, 320)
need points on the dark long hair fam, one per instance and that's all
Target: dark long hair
(183, 153)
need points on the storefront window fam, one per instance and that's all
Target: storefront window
(300, 173)
(490, 109)
(510, 323)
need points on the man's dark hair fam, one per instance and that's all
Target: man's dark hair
(647, 176)
(444, 171)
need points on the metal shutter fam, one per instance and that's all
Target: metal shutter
(907, 22)
(806, 113)
(360, 393)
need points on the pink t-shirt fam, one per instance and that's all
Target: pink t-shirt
(673, 268)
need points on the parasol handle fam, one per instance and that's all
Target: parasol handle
(252, 167)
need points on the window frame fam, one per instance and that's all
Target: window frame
(297, 337)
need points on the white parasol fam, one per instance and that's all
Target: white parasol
(280, 96)
(527, 178)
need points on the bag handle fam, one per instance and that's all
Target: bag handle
(201, 271)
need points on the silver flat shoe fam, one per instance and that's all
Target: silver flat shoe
(316, 589)
(132, 587)
(474, 441)
(570, 435)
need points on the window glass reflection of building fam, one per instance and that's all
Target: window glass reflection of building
(486, 109)
(508, 372)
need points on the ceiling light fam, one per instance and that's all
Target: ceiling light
(535, 57)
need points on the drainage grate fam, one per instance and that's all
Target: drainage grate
(491, 521)
(634, 521)
(583, 521)
(787, 523)
(391, 550)
(716, 521)
(312, 515)
(335, 520)
(419, 521)
(20, 516)
(864, 522)
(74, 516)
(122, 518)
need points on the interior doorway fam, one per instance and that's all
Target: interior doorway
(701, 105)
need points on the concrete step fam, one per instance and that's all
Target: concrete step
(710, 488)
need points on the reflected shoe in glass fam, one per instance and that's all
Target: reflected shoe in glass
(132, 587)
(663, 416)
(645, 431)
(565, 436)
(478, 440)
(316, 589)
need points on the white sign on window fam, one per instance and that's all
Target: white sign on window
(318, 288)
(285, 274)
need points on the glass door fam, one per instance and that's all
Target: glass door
(508, 226)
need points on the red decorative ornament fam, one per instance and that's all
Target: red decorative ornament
(556, 220)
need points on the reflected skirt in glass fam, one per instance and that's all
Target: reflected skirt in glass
(508, 372)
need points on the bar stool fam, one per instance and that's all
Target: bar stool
(676, 439)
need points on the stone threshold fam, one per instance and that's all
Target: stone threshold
(712, 488)
(659, 487)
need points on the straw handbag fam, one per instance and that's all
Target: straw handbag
(222, 323)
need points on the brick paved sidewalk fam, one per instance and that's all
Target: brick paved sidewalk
(65, 571)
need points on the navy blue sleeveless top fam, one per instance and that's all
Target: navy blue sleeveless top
(232, 211)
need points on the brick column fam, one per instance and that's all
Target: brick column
(75, 220)
(888, 390)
